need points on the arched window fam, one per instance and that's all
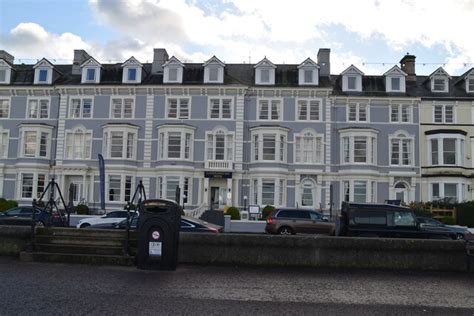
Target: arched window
(401, 149)
(308, 193)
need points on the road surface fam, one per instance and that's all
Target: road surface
(60, 289)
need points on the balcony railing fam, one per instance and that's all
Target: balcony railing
(219, 165)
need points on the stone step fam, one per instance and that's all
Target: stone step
(77, 258)
(84, 241)
(79, 249)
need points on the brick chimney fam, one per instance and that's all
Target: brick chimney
(6, 56)
(323, 61)
(160, 56)
(80, 56)
(408, 66)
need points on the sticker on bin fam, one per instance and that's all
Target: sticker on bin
(155, 234)
(154, 248)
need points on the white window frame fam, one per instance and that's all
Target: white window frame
(269, 114)
(38, 110)
(162, 187)
(138, 74)
(317, 140)
(221, 100)
(178, 108)
(173, 63)
(84, 144)
(443, 113)
(370, 187)
(358, 108)
(358, 82)
(314, 76)
(123, 178)
(470, 85)
(315, 194)
(371, 137)
(399, 107)
(389, 84)
(8, 72)
(258, 76)
(279, 191)
(308, 105)
(259, 132)
(39, 130)
(81, 107)
(35, 194)
(49, 75)
(163, 142)
(126, 130)
(460, 147)
(122, 106)
(460, 190)
(207, 73)
(4, 142)
(401, 136)
(7, 108)
(229, 139)
(97, 71)
(446, 81)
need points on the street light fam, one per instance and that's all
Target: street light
(245, 203)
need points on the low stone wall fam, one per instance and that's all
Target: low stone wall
(13, 239)
(322, 251)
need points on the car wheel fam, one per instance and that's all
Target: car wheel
(285, 230)
(85, 225)
(459, 236)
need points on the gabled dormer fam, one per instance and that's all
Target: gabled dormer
(395, 80)
(469, 81)
(91, 71)
(132, 71)
(43, 72)
(173, 71)
(214, 70)
(352, 79)
(265, 72)
(5, 71)
(308, 73)
(440, 80)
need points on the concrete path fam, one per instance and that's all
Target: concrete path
(59, 289)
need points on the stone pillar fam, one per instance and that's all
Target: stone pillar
(206, 192)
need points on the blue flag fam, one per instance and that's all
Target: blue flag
(102, 181)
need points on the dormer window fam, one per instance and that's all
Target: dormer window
(308, 73)
(43, 72)
(470, 84)
(132, 71)
(352, 79)
(5, 72)
(395, 80)
(265, 72)
(173, 71)
(214, 71)
(91, 71)
(439, 80)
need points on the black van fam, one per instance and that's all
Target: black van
(384, 220)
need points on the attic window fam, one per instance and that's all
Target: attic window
(308, 76)
(132, 74)
(90, 76)
(265, 75)
(43, 75)
(173, 74)
(396, 84)
(3, 75)
(351, 82)
(439, 85)
(213, 74)
(470, 84)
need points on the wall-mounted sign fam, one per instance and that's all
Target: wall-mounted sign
(254, 209)
(218, 174)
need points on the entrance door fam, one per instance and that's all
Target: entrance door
(401, 192)
(76, 192)
(218, 197)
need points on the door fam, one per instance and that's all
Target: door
(77, 195)
(401, 192)
(214, 197)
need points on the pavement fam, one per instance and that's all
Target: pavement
(31, 288)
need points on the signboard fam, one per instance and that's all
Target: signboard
(154, 248)
(218, 174)
(254, 209)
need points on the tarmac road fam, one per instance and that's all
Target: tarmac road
(62, 289)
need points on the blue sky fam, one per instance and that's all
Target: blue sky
(371, 34)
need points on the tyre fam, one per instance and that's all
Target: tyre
(85, 225)
(459, 236)
(285, 230)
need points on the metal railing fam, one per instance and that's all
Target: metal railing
(197, 212)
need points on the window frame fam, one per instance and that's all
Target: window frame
(81, 107)
(277, 133)
(8, 107)
(125, 130)
(460, 148)
(163, 143)
(300, 137)
(401, 136)
(399, 107)
(122, 110)
(371, 137)
(39, 130)
(227, 135)
(270, 107)
(178, 108)
(38, 114)
(358, 106)
(443, 113)
(35, 194)
(347, 188)
(434, 84)
(460, 190)
(123, 187)
(221, 100)
(4, 146)
(84, 149)
(308, 110)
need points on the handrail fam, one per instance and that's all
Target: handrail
(197, 212)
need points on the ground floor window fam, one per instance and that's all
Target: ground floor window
(32, 185)
(268, 191)
(119, 188)
(359, 191)
(452, 192)
(166, 188)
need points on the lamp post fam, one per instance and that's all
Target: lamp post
(245, 205)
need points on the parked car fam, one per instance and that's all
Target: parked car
(287, 221)
(188, 224)
(385, 220)
(22, 215)
(433, 224)
(109, 218)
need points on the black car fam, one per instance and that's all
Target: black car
(188, 224)
(431, 223)
(22, 215)
(385, 220)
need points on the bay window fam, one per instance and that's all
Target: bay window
(446, 149)
(359, 191)
(35, 141)
(120, 141)
(358, 146)
(269, 144)
(175, 142)
(450, 191)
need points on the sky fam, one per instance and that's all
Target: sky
(371, 34)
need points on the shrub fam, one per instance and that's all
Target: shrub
(82, 209)
(448, 220)
(7, 204)
(266, 211)
(233, 212)
(465, 214)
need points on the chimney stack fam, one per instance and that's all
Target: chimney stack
(80, 56)
(6, 56)
(407, 64)
(324, 62)
(160, 56)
